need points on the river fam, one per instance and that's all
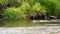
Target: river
(47, 29)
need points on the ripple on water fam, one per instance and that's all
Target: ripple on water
(31, 30)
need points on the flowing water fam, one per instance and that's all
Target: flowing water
(47, 29)
(52, 20)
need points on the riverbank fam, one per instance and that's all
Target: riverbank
(24, 23)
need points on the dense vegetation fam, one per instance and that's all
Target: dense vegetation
(23, 9)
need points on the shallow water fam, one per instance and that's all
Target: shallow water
(31, 30)
(52, 20)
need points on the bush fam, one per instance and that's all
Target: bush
(2, 1)
(37, 8)
(30, 7)
(57, 8)
(25, 9)
(11, 14)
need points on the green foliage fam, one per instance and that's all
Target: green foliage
(24, 9)
(51, 6)
(36, 7)
(11, 13)
(57, 9)
(30, 7)
(2, 1)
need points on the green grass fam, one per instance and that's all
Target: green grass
(24, 23)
